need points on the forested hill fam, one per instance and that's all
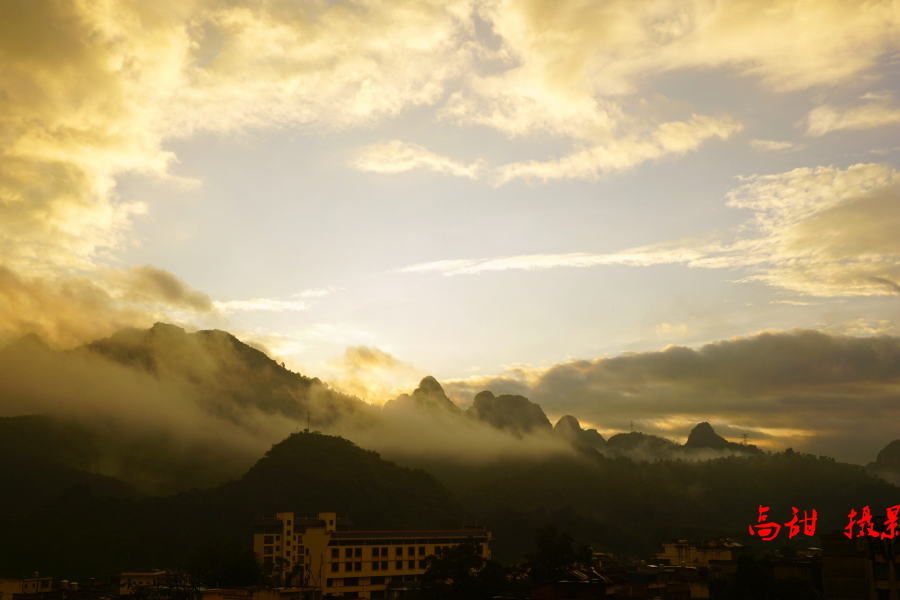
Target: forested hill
(82, 534)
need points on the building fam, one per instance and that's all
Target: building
(323, 554)
(860, 568)
(699, 554)
(24, 585)
(129, 582)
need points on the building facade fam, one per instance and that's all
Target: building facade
(325, 554)
(24, 585)
(699, 554)
(860, 568)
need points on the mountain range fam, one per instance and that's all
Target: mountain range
(132, 451)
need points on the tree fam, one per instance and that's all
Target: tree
(555, 555)
(226, 565)
(461, 573)
(176, 585)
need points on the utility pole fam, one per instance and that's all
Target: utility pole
(745, 436)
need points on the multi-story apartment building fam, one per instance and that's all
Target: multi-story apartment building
(324, 554)
(860, 568)
(699, 554)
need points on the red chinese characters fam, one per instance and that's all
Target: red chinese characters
(891, 523)
(867, 527)
(809, 523)
(767, 531)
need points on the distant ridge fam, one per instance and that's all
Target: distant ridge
(704, 436)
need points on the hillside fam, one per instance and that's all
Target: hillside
(164, 409)
(36, 458)
(82, 534)
(622, 505)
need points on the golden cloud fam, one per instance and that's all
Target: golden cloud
(818, 232)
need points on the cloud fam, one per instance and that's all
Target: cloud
(673, 138)
(797, 388)
(818, 232)
(668, 329)
(66, 311)
(774, 145)
(396, 157)
(796, 303)
(93, 91)
(827, 118)
(371, 373)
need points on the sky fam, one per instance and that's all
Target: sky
(491, 192)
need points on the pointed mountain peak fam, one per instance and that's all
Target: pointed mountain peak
(568, 423)
(29, 341)
(889, 456)
(704, 436)
(429, 386)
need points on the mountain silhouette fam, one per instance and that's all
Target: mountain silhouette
(515, 414)
(570, 429)
(428, 396)
(704, 436)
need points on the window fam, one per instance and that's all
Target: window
(384, 565)
(307, 551)
(359, 566)
(399, 551)
(348, 566)
(335, 553)
(375, 552)
(421, 564)
(884, 594)
(881, 571)
(45, 584)
(288, 553)
(288, 532)
(412, 564)
(288, 543)
(289, 524)
(329, 583)
(331, 522)
(384, 552)
(376, 581)
(421, 550)
(411, 551)
(334, 567)
(269, 539)
(357, 552)
(348, 553)
(351, 594)
(277, 548)
(267, 550)
(351, 581)
(374, 565)
(399, 565)
(377, 595)
(277, 538)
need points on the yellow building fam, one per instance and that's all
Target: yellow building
(24, 585)
(699, 554)
(326, 556)
(128, 582)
